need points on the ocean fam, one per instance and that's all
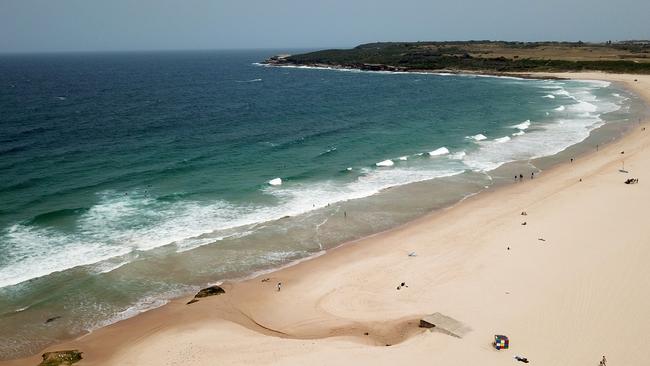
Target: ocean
(127, 179)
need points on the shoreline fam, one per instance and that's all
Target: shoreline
(459, 72)
(101, 344)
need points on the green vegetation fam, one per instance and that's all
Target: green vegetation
(61, 358)
(486, 56)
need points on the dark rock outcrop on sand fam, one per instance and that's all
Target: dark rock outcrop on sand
(61, 358)
(208, 291)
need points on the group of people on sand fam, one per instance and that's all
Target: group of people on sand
(520, 177)
(632, 181)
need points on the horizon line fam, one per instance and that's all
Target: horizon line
(155, 50)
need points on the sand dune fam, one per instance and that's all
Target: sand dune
(580, 293)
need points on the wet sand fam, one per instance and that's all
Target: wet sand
(579, 293)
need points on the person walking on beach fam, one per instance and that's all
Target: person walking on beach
(532, 175)
(521, 177)
(279, 286)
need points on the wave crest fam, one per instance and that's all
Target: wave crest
(439, 151)
(385, 163)
(477, 137)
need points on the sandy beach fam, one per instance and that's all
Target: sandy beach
(568, 287)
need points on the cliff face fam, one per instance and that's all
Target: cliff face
(481, 56)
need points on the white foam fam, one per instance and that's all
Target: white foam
(458, 155)
(304, 197)
(275, 181)
(560, 108)
(19, 310)
(43, 251)
(551, 135)
(439, 151)
(108, 266)
(349, 169)
(583, 107)
(503, 139)
(143, 305)
(523, 125)
(282, 256)
(597, 83)
(385, 163)
(117, 224)
(286, 265)
(492, 76)
(549, 96)
(477, 137)
(550, 84)
(355, 70)
(403, 158)
(204, 239)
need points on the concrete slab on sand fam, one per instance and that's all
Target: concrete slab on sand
(444, 324)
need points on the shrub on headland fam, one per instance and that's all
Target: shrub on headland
(481, 56)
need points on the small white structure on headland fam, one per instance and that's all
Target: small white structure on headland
(275, 181)
(437, 322)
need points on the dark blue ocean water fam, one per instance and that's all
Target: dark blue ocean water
(106, 157)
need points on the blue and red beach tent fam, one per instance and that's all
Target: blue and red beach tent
(501, 342)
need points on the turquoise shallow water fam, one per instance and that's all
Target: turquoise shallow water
(130, 178)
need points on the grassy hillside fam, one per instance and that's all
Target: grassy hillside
(624, 57)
